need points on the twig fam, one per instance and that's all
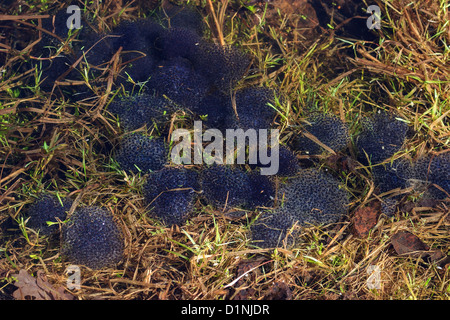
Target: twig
(216, 21)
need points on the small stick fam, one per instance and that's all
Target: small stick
(218, 27)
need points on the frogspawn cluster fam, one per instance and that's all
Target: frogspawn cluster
(178, 71)
(90, 236)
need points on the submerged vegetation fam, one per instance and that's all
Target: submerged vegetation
(363, 112)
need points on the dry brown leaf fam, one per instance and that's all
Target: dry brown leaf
(30, 288)
(364, 220)
(250, 268)
(279, 291)
(405, 243)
